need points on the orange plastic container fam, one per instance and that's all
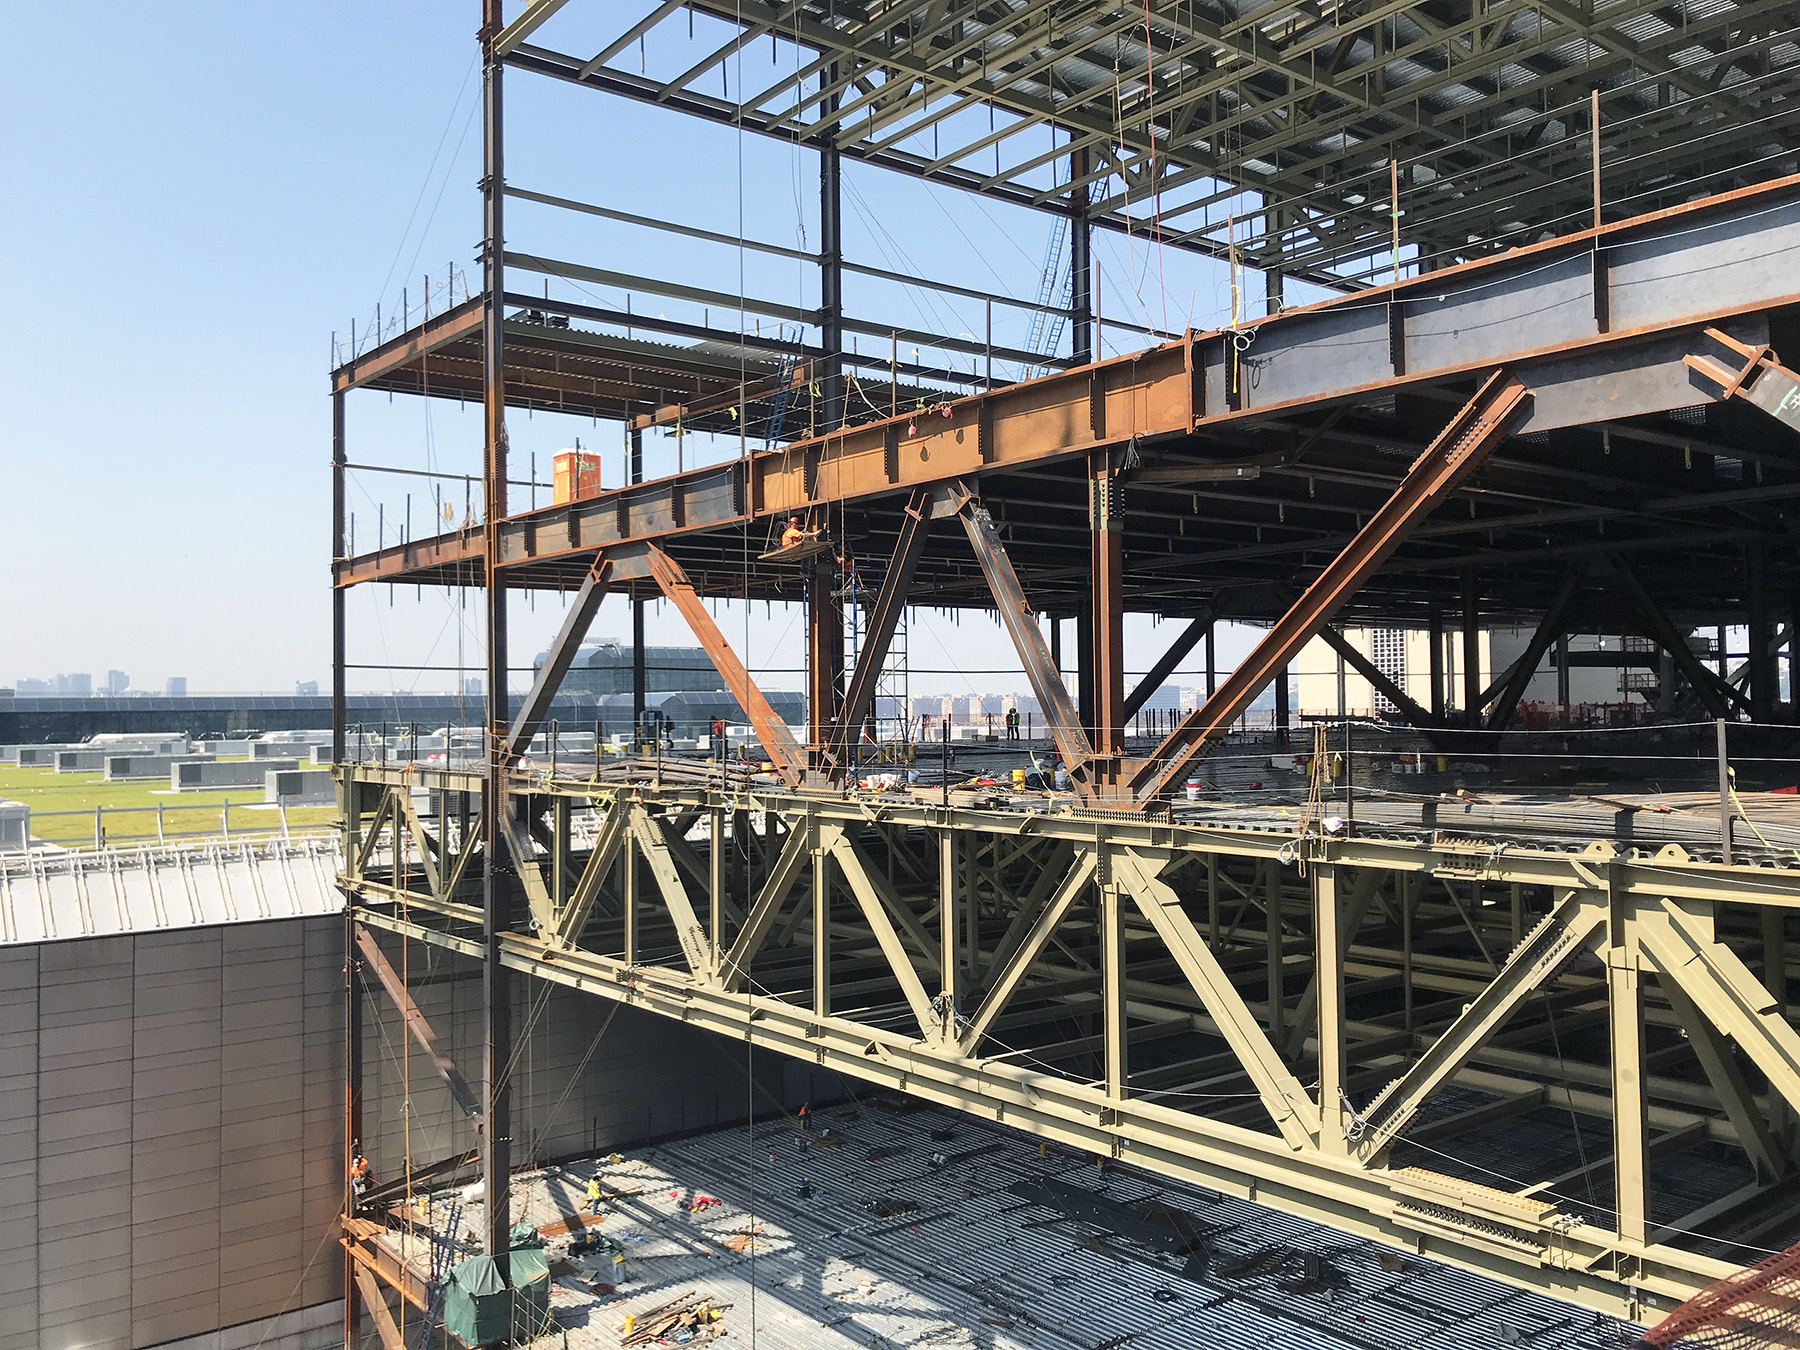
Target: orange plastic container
(577, 475)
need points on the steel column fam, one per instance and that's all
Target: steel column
(1107, 606)
(1435, 634)
(639, 685)
(1084, 339)
(353, 1111)
(1471, 649)
(339, 645)
(824, 653)
(1631, 1127)
(1763, 675)
(831, 264)
(1328, 954)
(496, 982)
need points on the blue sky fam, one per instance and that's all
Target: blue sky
(201, 196)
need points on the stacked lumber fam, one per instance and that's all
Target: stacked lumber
(693, 1312)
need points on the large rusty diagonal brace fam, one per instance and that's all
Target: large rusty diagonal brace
(884, 619)
(376, 1302)
(1028, 640)
(1762, 381)
(557, 660)
(1457, 452)
(1568, 928)
(1506, 702)
(362, 1239)
(778, 743)
(1715, 695)
(1012, 973)
(689, 931)
(418, 1026)
(1294, 1112)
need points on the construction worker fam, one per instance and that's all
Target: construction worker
(593, 1194)
(718, 739)
(1012, 724)
(359, 1172)
(793, 534)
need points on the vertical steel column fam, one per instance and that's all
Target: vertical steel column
(1107, 604)
(1212, 668)
(1435, 632)
(339, 652)
(1562, 669)
(949, 894)
(715, 879)
(1112, 987)
(1631, 1138)
(1056, 624)
(1471, 649)
(1274, 969)
(831, 260)
(1283, 713)
(1084, 338)
(353, 1112)
(1328, 953)
(824, 655)
(1762, 660)
(496, 1161)
(821, 924)
(1084, 667)
(639, 685)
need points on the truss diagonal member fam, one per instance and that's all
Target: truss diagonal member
(1678, 938)
(778, 742)
(1294, 1112)
(1011, 974)
(371, 839)
(531, 875)
(1715, 694)
(1721, 1069)
(887, 937)
(852, 861)
(1571, 925)
(376, 1302)
(421, 840)
(1506, 702)
(557, 660)
(1378, 679)
(1060, 856)
(689, 931)
(607, 841)
(1021, 626)
(884, 619)
(1184, 642)
(471, 845)
(417, 1025)
(734, 966)
(1355, 909)
(1762, 381)
(1447, 462)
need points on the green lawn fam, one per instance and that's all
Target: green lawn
(130, 815)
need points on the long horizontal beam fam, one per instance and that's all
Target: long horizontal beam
(1611, 345)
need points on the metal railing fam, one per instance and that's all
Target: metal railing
(162, 824)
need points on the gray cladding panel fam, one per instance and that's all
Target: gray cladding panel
(1312, 354)
(1542, 305)
(1697, 268)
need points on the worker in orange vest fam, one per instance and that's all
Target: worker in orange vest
(793, 534)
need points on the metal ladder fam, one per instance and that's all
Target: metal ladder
(443, 1251)
(784, 395)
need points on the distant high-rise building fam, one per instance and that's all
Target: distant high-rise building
(117, 682)
(472, 687)
(40, 688)
(176, 686)
(306, 688)
(75, 686)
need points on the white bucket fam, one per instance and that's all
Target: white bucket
(1193, 789)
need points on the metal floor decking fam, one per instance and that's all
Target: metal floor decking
(975, 1264)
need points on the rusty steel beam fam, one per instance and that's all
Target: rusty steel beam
(778, 742)
(362, 1241)
(1456, 453)
(418, 1027)
(1020, 622)
(1378, 679)
(824, 650)
(883, 620)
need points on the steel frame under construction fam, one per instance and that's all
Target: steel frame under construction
(1271, 1012)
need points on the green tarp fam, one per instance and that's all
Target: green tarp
(479, 1309)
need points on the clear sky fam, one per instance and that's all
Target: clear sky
(199, 196)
